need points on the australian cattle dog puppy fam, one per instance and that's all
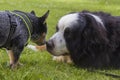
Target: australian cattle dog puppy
(17, 28)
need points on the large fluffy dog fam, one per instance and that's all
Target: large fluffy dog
(91, 39)
(17, 28)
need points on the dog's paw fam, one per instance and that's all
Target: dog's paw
(32, 47)
(15, 66)
(62, 58)
(37, 48)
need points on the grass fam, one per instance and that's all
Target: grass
(39, 65)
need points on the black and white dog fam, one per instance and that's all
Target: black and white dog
(17, 28)
(90, 39)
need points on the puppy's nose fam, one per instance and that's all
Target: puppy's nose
(50, 44)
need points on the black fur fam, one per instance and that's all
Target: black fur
(20, 36)
(95, 45)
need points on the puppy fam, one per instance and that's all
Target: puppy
(17, 28)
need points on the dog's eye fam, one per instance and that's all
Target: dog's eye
(43, 35)
(67, 33)
(67, 30)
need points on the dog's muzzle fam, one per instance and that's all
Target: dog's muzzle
(41, 43)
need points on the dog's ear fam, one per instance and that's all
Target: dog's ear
(95, 29)
(44, 17)
(33, 12)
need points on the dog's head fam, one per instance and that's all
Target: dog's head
(57, 43)
(39, 28)
(72, 29)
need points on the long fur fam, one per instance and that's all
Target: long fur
(96, 46)
(92, 39)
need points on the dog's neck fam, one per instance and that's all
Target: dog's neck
(36, 24)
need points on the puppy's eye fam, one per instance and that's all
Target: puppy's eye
(43, 35)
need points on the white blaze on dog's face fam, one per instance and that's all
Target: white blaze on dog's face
(57, 45)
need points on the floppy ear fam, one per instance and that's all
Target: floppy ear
(33, 12)
(95, 30)
(44, 17)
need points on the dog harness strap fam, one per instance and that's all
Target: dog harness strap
(27, 23)
(12, 28)
(26, 18)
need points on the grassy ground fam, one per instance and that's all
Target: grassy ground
(39, 65)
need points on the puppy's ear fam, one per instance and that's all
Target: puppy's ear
(95, 29)
(33, 12)
(44, 17)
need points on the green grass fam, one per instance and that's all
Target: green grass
(39, 65)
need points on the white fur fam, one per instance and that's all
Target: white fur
(67, 21)
(32, 47)
(65, 58)
(59, 42)
(58, 38)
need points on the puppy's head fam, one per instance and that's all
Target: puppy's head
(67, 28)
(40, 28)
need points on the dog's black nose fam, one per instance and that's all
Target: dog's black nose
(50, 44)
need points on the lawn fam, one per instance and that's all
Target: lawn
(39, 65)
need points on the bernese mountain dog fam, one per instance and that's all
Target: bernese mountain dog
(90, 39)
